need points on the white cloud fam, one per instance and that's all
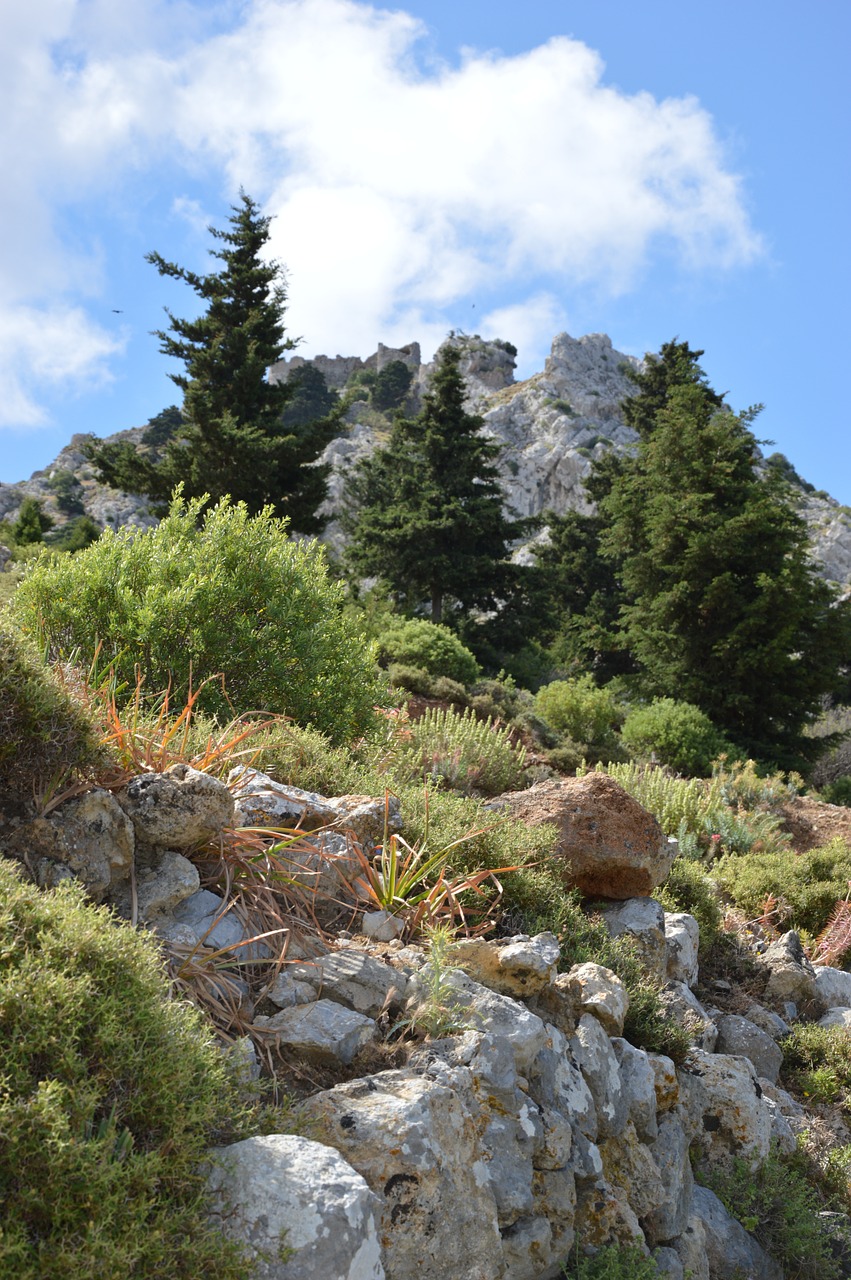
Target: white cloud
(400, 194)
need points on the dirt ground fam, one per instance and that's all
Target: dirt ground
(813, 823)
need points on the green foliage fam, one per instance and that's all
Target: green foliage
(440, 1012)
(817, 1062)
(810, 884)
(112, 1093)
(429, 646)
(780, 1208)
(76, 534)
(32, 523)
(391, 386)
(585, 715)
(744, 786)
(425, 513)
(613, 1262)
(838, 791)
(44, 734)
(676, 803)
(68, 491)
(689, 888)
(676, 734)
(458, 750)
(232, 438)
(201, 594)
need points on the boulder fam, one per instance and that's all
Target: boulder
(608, 845)
(836, 1018)
(767, 1020)
(178, 808)
(628, 1164)
(520, 966)
(744, 1038)
(834, 986)
(669, 1216)
(262, 802)
(602, 993)
(366, 818)
(324, 1031)
(89, 834)
(792, 978)
(352, 978)
(160, 887)
(726, 1110)
(592, 1050)
(285, 1190)
(691, 1249)
(484, 1010)
(639, 1084)
(731, 1253)
(680, 1003)
(682, 939)
(643, 920)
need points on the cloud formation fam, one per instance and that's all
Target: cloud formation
(402, 192)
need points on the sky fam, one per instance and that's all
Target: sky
(647, 171)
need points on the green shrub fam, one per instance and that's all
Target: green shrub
(460, 751)
(111, 1095)
(429, 645)
(676, 803)
(413, 679)
(744, 787)
(675, 734)
(44, 734)
(613, 1262)
(689, 888)
(838, 791)
(809, 883)
(579, 709)
(780, 1208)
(817, 1061)
(221, 592)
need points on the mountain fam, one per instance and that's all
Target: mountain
(551, 425)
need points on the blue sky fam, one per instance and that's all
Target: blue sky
(646, 171)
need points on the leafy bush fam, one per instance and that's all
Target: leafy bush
(676, 734)
(838, 792)
(460, 751)
(579, 709)
(817, 1061)
(613, 1262)
(430, 646)
(810, 884)
(111, 1096)
(207, 593)
(744, 787)
(44, 733)
(781, 1209)
(689, 888)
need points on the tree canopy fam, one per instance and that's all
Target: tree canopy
(233, 437)
(425, 513)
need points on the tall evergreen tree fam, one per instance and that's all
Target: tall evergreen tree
(233, 438)
(425, 513)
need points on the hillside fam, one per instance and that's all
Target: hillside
(552, 425)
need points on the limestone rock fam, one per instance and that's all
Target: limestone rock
(89, 834)
(365, 817)
(628, 1164)
(680, 1002)
(520, 966)
(768, 1021)
(262, 802)
(726, 1108)
(489, 1011)
(382, 926)
(792, 977)
(593, 1051)
(730, 1251)
(836, 1018)
(638, 1081)
(415, 1142)
(323, 1030)
(669, 1216)
(354, 979)
(834, 986)
(665, 1081)
(281, 1189)
(556, 1081)
(178, 808)
(643, 919)
(740, 1036)
(602, 993)
(608, 845)
(160, 887)
(691, 1249)
(682, 938)
(604, 1216)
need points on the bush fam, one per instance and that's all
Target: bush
(810, 884)
(111, 1096)
(44, 734)
(838, 792)
(676, 734)
(460, 751)
(817, 1062)
(431, 646)
(221, 592)
(579, 709)
(781, 1209)
(613, 1262)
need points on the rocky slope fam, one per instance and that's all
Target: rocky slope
(552, 425)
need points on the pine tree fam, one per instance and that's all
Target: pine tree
(425, 513)
(233, 438)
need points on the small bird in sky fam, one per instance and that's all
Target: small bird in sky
(115, 312)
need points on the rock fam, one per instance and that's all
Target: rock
(680, 1002)
(489, 1011)
(322, 1031)
(740, 1036)
(89, 834)
(669, 1216)
(639, 1084)
(727, 1111)
(262, 802)
(792, 977)
(691, 1249)
(203, 919)
(768, 1021)
(558, 1004)
(556, 1081)
(519, 966)
(592, 1050)
(381, 926)
(682, 938)
(604, 1216)
(354, 979)
(643, 919)
(366, 818)
(602, 993)
(665, 1081)
(836, 1018)
(668, 1263)
(286, 991)
(415, 1142)
(834, 986)
(628, 1164)
(178, 808)
(730, 1251)
(782, 1133)
(285, 1190)
(608, 845)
